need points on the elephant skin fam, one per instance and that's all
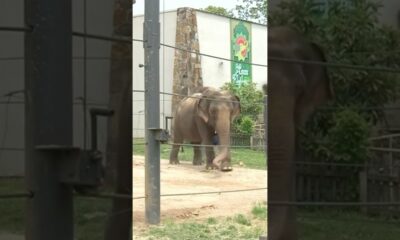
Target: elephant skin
(198, 118)
(294, 92)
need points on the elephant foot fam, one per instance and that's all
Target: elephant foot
(174, 161)
(225, 167)
(211, 166)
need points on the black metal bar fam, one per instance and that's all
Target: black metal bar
(104, 38)
(84, 99)
(12, 149)
(15, 29)
(48, 117)
(15, 195)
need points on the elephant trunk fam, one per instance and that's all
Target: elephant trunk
(281, 170)
(223, 130)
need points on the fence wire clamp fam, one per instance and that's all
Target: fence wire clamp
(161, 135)
(79, 168)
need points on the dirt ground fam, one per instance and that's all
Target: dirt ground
(186, 178)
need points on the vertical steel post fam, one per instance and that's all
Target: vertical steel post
(48, 117)
(266, 127)
(151, 36)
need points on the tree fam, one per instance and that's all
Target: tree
(218, 10)
(348, 32)
(251, 102)
(253, 10)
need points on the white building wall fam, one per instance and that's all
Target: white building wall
(214, 39)
(260, 54)
(168, 31)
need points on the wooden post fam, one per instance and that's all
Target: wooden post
(391, 185)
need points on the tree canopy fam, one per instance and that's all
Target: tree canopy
(350, 33)
(218, 10)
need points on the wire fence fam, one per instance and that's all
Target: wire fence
(286, 60)
(321, 163)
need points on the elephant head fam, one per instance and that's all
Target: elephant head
(218, 109)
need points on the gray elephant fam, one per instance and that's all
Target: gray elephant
(198, 118)
(294, 92)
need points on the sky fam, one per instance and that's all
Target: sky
(138, 7)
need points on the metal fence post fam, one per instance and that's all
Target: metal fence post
(265, 236)
(151, 36)
(48, 117)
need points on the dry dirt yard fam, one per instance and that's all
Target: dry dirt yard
(186, 178)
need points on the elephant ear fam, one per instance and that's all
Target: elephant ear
(236, 105)
(321, 55)
(202, 108)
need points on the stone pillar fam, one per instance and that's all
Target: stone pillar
(187, 66)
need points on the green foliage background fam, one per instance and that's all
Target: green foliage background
(349, 33)
(251, 102)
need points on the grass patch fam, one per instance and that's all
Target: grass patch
(210, 229)
(12, 215)
(334, 225)
(243, 220)
(259, 211)
(240, 156)
(90, 215)
(212, 221)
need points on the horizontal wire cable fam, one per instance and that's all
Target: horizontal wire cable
(16, 195)
(211, 56)
(15, 29)
(104, 38)
(207, 145)
(334, 65)
(104, 195)
(320, 108)
(334, 204)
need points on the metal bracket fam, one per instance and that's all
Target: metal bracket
(81, 169)
(161, 135)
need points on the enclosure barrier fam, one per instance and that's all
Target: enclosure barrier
(293, 61)
(363, 202)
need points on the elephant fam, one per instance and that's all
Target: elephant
(294, 91)
(201, 116)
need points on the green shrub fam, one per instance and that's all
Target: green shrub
(251, 102)
(246, 125)
(348, 138)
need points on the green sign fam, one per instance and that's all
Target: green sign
(240, 52)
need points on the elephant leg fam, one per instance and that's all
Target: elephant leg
(210, 156)
(173, 157)
(197, 158)
(281, 156)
